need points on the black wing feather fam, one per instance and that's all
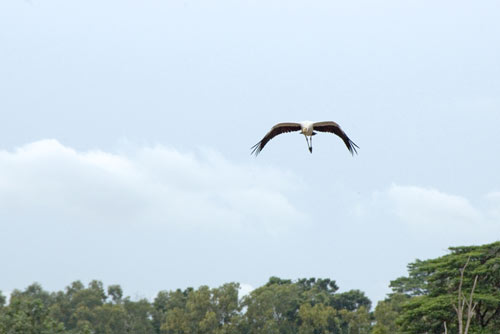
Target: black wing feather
(276, 130)
(333, 127)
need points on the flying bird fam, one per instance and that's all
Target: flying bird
(307, 128)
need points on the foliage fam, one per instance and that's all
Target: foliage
(318, 319)
(386, 313)
(27, 314)
(420, 303)
(431, 288)
(306, 306)
(281, 306)
(76, 310)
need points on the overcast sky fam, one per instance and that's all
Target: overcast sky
(126, 127)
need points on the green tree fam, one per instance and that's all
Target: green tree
(386, 313)
(176, 322)
(433, 286)
(199, 311)
(139, 316)
(27, 314)
(75, 307)
(319, 290)
(225, 300)
(203, 310)
(273, 307)
(166, 301)
(318, 319)
(109, 319)
(283, 306)
(355, 322)
(350, 300)
(116, 293)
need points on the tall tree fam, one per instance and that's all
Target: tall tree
(273, 308)
(28, 313)
(167, 301)
(205, 310)
(433, 286)
(318, 319)
(387, 312)
(307, 305)
(139, 316)
(355, 322)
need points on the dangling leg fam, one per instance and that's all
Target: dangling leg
(308, 145)
(311, 144)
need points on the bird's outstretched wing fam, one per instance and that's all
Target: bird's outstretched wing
(333, 127)
(276, 130)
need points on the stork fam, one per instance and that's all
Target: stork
(307, 128)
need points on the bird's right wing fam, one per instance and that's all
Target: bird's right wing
(276, 130)
(332, 127)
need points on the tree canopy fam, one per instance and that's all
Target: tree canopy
(421, 302)
(280, 306)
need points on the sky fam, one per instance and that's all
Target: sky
(126, 127)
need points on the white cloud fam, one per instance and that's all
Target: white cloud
(493, 198)
(427, 206)
(427, 213)
(156, 185)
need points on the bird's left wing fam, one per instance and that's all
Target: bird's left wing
(276, 130)
(332, 127)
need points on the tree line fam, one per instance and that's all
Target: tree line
(428, 300)
(436, 292)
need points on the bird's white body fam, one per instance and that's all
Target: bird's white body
(307, 128)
